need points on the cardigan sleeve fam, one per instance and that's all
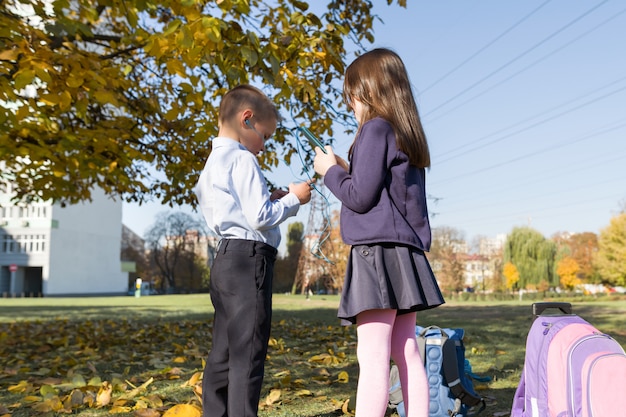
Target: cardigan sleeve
(360, 188)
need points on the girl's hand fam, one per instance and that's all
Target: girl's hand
(323, 161)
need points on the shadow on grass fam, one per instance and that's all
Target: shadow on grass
(147, 313)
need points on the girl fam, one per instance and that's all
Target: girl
(384, 217)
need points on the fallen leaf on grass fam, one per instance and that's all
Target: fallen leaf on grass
(119, 409)
(272, 397)
(195, 378)
(104, 394)
(346, 409)
(343, 377)
(136, 390)
(183, 410)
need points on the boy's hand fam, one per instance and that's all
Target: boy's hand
(323, 161)
(302, 190)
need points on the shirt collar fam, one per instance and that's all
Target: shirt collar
(226, 142)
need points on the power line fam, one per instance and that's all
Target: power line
(538, 123)
(543, 177)
(528, 155)
(532, 64)
(475, 54)
(492, 73)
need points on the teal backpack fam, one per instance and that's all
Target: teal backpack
(449, 375)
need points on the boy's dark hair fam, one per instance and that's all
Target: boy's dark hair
(247, 97)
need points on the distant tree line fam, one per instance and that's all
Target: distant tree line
(179, 251)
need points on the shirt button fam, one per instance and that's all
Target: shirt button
(365, 252)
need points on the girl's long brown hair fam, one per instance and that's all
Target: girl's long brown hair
(380, 81)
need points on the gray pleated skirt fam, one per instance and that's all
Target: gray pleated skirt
(387, 276)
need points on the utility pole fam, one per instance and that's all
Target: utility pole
(312, 262)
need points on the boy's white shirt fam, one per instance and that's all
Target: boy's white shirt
(234, 199)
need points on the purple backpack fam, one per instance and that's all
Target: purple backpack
(571, 369)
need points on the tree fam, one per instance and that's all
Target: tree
(338, 254)
(567, 269)
(123, 95)
(610, 260)
(285, 269)
(533, 256)
(511, 275)
(133, 250)
(447, 256)
(176, 242)
(580, 247)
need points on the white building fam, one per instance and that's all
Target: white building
(478, 272)
(49, 250)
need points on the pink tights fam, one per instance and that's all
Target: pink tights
(383, 335)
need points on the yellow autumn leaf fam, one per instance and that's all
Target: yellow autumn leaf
(136, 390)
(22, 113)
(281, 374)
(9, 55)
(49, 99)
(343, 377)
(104, 394)
(32, 399)
(43, 75)
(172, 114)
(180, 359)
(75, 79)
(183, 410)
(272, 397)
(105, 97)
(20, 387)
(195, 378)
(119, 409)
(50, 404)
(175, 67)
(23, 78)
(346, 409)
(65, 100)
(47, 389)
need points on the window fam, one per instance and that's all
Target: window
(22, 243)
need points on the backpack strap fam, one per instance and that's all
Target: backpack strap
(421, 340)
(453, 379)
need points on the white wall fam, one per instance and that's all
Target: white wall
(85, 249)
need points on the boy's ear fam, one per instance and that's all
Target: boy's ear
(246, 115)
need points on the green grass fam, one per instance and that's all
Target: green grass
(48, 344)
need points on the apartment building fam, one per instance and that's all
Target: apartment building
(49, 250)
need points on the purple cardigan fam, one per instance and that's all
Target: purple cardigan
(383, 197)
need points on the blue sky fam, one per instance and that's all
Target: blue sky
(524, 107)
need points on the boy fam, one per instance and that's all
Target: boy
(234, 199)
